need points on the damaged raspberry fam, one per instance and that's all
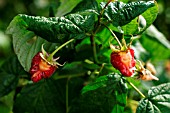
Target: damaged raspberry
(40, 68)
(43, 65)
(124, 61)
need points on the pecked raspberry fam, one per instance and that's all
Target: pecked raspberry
(43, 65)
(124, 61)
(41, 68)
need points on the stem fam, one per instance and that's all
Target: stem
(120, 45)
(102, 66)
(69, 76)
(52, 54)
(94, 49)
(95, 31)
(143, 96)
(67, 106)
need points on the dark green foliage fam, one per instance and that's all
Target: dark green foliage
(10, 72)
(114, 88)
(47, 96)
(44, 96)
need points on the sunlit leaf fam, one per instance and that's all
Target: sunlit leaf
(53, 28)
(154, 34)
(156, 50)
(119, 13)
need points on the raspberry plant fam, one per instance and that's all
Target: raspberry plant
(103, 48)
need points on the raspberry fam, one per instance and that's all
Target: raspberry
(40, 68)
(124, 61)
(43, 65)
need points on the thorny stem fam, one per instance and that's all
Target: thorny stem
(143, 96)
(52, 54)
(120, 45)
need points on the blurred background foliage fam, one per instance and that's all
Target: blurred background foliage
(10, 8)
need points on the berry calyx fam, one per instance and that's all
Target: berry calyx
(43, 64)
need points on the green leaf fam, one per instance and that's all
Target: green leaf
(131, 28)
(4, 108)
(25, 43)
(41, 97)
(119, 13)
(86, 6)
(9, 75)
(66, 6)
(158, 100)
(99, 82)
(98, 101)
(141, 23)
(150, 16)
(53, 28)
(110, 81)
(156, 50)
(107, 94)
(156, 35)
(8, 82)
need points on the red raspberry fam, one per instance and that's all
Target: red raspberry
(124, 61)
(43, 65)
(40, 68)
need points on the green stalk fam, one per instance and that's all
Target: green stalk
(69, 76)
(67, 106)
(52, 54)
(143, 96)
(120, 45)
(94, 49)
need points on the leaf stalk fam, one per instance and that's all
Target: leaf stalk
(52, 54)
(131, 84)
(120, 45)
